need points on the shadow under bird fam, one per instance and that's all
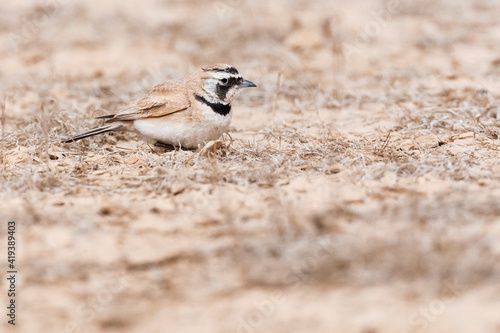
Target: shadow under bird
(184, 113)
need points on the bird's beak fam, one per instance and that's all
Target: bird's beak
(246, 84)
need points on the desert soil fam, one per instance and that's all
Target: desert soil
(358, 191)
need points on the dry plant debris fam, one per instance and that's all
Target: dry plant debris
(359, 190)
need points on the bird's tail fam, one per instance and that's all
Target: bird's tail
(95, 131)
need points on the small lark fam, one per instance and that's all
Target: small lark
(185, 113)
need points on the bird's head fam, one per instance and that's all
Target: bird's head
(221, 82)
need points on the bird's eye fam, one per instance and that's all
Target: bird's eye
(223, 80)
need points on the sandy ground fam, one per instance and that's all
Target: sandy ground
(360, 192)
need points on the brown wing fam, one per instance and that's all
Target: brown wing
(164, 99)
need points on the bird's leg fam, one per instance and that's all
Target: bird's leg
(168, 146)
(164, 145)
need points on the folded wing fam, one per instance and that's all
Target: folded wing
(164, 99)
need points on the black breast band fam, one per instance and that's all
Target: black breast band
(222, 109)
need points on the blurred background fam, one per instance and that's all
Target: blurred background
(361, 193)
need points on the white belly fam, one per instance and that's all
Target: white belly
(180, 133)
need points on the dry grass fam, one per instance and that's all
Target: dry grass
(362, 182)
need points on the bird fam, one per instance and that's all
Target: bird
(183, 113)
